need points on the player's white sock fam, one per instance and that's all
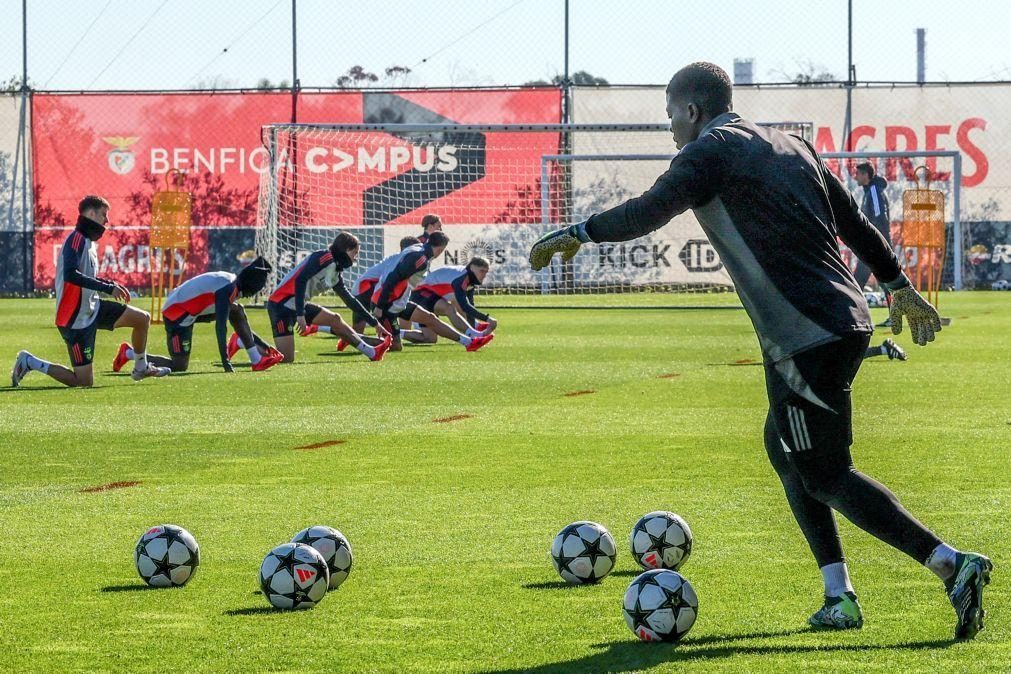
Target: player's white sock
(238, 340)
(37, 364)
(254, 354)
(130, 353)
(942, 561)
(363, 346)
(465, 340)
(326, 328)
(837, 579)
(140, 360)
(471, 332)
(884, 350)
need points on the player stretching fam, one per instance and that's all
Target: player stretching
(773, 211)
(212, 296)
(289, 307)
(79, 311)
(391, 298)
(449, 291)
(365, 285)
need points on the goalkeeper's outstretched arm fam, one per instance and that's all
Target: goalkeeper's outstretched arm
(693, 179)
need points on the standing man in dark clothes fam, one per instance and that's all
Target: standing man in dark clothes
(875, 208)
(773, 211)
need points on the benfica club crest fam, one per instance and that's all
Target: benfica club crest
(121, 158)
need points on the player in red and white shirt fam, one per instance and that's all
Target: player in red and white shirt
(212, 296)
(449, 291)
(290, 310)
(391, 299)
(79, 311)
(366, 283)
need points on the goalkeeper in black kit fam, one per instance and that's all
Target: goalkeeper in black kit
(774, 212)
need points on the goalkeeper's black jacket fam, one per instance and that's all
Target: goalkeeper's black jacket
(773, 211)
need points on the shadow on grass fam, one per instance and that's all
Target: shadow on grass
(253, 610)
(630, 655)
(19, 389)
(561, 584)
(135, 587)
(627, 573)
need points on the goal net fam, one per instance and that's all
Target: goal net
(496, 188)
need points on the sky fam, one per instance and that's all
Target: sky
(177, 44)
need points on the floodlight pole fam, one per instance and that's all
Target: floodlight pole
(294, 64)
(850, 79)
(23, 141)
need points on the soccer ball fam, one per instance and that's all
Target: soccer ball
(166, 556)
(294, 575)
(660, 605)
(660, 540)
(333, 546)
(583, 552)
(875, 299)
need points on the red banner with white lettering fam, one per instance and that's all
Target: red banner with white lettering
(120, 146)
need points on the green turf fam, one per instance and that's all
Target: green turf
(451, 522)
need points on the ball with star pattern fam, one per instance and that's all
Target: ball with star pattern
(661, 540)
(294, 576)
(660, 605)
(334, 547)
(166, 556)
(583, 552)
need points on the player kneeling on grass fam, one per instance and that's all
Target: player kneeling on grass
(212, 296)
(288, 307)
(390, 300)
(449, 291)
(79, 311)
(366, 284)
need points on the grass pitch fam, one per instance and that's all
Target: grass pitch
(451, 521)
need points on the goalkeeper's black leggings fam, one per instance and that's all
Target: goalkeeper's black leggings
(808, 445)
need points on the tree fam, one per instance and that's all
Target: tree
(12, 85)
(580, 78)
(807, 74)
(265, 84)
(357, 77)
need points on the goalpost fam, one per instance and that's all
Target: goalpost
(497, 188)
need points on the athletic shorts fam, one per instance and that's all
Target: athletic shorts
(81, 342)
(283, 319)
(425, 299)
(809, 396)
(365, 299)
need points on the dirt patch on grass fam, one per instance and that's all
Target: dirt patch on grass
(573, 394)
(320, 445)
(109, 487)
(669, 375)
(455, 417)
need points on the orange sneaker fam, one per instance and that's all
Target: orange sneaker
(381, 349)
(477, 342)
(342, 344)
(481, 326)
(266, 362)
(271, 351)
(121, 358)
(310, 330)
(233, 345)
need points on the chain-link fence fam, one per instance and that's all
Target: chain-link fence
(194, 82)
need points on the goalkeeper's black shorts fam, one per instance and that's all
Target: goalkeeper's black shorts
(809, 396)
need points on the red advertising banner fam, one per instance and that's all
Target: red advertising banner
(120, 146)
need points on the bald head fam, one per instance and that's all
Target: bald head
(696, 94)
